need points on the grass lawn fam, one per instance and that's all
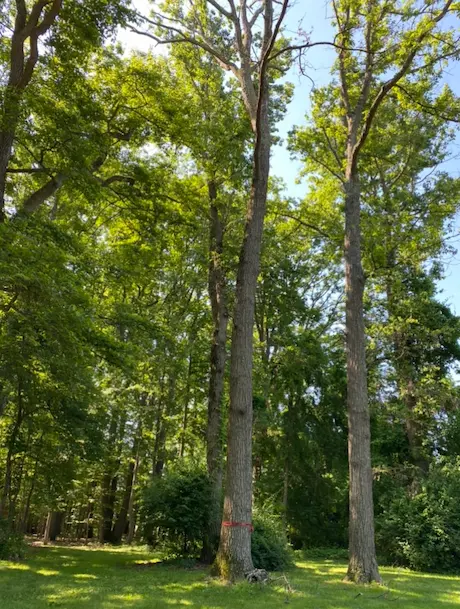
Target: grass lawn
(86, 578)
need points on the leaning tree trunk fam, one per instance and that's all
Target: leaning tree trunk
(362, 565)
(217, 296)
(234, 555)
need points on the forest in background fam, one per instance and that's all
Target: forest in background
(124, 187)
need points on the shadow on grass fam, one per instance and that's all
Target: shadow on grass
(85, 578)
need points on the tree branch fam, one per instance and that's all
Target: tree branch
(389, 84)
(431, 110)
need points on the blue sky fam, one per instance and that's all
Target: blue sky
(313, 17)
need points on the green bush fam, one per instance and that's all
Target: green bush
(269, 545)
(175, 511)
(421, 529)
(12, 545)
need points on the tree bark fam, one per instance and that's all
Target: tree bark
(131, 510)
(187, 398)
(234, 556)
(31, 27)
(37, 198)
(362, 565)
(217, 296)
(6, 494)
(110, 480)
(46, 535)
(122, 519)
(25, 516)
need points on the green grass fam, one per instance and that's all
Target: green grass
(87, 578)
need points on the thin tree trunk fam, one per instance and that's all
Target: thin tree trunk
(159, 452)
(362, 565)
(46, 535)
(109, 485)
(186, 400)
(18, 484)
(217, 296)
(26, 512)
(234, 556)
(122, 520)
(3, 396)
(285, 491)
(6, 495)
(131, 510)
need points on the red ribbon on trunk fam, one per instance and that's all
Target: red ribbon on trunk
(238, 524)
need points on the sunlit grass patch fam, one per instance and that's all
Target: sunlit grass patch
(113, 578)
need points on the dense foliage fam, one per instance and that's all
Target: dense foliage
(124, 200)
(420, 528)
(175, 511)
(12, 544)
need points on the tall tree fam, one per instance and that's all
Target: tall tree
(247, 56)
(379, 45)
(55, 29)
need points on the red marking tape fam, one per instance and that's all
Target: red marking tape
(239, 524)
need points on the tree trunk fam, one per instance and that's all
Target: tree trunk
(159, 451)
(285, 491)
(9, 121)
(37, 198)
(131, 510)
(25, 516)
(110, 480)
(187, 398)
(234, 556)
(414, 430)
(110, 486)
(55, 525)
(6, 494)
(3, 396)
(362, 565)
(46, 535)
(217, 296)
(28, 28)
(122, 520)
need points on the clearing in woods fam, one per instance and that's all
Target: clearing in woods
(96, 578)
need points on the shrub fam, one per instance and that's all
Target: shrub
(422, 530)
(175, 511)
(269, 545)
(12, 545)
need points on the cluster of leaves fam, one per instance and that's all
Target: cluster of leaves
(420, 527)
(12, 544)
(270, 548)
(175, 511)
